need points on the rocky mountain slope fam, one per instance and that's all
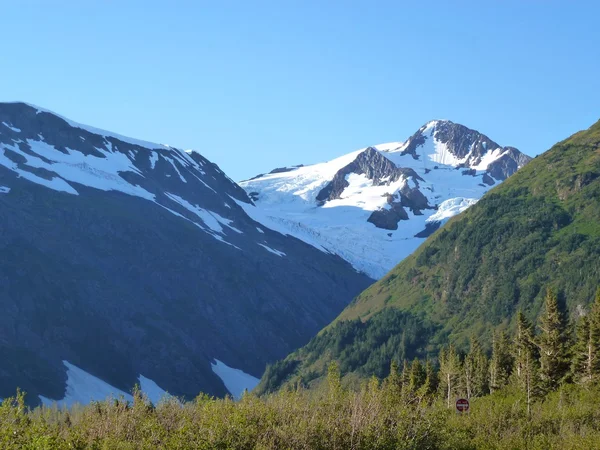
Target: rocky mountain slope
(125, 261)
(538, 229)
(375, 206)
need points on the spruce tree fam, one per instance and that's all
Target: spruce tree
(476, 371)
(526, 359)
(582, 352)
(416, 376)
(394, 380)
(595, 338)
(501, 362)
(450, 373)
(405, 376)
(585, 365)
(552, 343)
(430, 384)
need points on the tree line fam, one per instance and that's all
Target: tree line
(535, 359)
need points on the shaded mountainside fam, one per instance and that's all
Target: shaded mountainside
(126, 258)
(539, 229)
(375, 206)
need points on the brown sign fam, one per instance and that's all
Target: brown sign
(462, 405)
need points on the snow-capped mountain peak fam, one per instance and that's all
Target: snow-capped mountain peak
(374, 206)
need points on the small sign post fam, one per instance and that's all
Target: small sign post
(462, 405)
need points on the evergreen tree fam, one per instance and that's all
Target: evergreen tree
(450, 373)
(526, 359)
(394, 380)
(582, 352)
(416, 376)
(430, 384)
(552, 343)
(501, 362)
(405, 376)
(476, 371)
(585, 366)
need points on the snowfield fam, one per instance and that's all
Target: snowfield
(83, 388)
(286, 202)
(235, 380)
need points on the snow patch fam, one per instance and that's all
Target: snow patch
(235, 380)
(272, 250)
(4, 190)
(96, 172)
(152, 390)
(84, 388)
(153, 159)
(16, 130)
(211, 219)
(450, 208)
(176, 169)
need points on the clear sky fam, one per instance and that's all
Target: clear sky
(256, 85)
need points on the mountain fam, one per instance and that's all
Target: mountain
(539, 229)
(375, 206)
(125, 261)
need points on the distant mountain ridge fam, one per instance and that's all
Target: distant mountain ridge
(128, 259)
(374, 206)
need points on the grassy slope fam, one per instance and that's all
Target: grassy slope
(539, 228)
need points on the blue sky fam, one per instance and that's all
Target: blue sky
(258, 85)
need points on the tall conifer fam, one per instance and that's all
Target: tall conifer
(526, 359)
(501, 362)
(552, 343)
(475, 369)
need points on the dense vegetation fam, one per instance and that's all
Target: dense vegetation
(539, 228)
(538, 390)
(363, 348)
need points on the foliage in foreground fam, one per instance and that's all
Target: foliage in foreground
(380, 415)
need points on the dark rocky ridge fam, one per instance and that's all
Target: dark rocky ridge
(119, 286)
(507, 164)
(370, 163)
(382, 171)
(462, 142)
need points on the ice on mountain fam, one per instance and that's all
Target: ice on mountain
(450, 208)
(206, 217)
(210, 218)
(55, 183)
(286, 203)
(282, 225)
(235, 380)
(4, 190)
(152, 390)
(88, 170)
(84, 388)
(176, 169)
(16, 130)
(272, 250)
(153, 159)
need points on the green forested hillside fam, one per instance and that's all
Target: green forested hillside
(538, 229)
